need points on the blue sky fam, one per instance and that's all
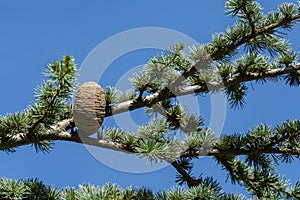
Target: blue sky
(34, 33)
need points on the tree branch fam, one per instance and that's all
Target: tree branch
(58, 132)
(267, 29)
(217, 152)
(249, 18)
(166, 94)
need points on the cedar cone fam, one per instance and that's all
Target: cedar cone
(89, 107)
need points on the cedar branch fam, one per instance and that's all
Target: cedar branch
(166, 93)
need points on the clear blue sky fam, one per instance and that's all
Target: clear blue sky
(33, 33)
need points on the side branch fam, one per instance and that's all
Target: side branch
(247, 38)
(189, 180)
(166, 93)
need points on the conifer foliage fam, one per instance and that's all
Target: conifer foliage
(251, 50)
